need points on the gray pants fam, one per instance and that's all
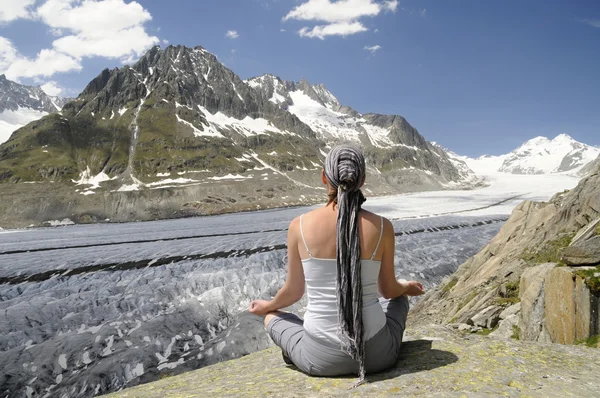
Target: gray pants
(320, 358)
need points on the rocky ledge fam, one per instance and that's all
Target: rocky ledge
(435, 361)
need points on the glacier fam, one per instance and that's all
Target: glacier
(89, 309)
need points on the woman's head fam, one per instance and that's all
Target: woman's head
(344, 170)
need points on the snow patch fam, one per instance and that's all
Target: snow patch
(10, 121)
(230, 177)
(60, 223)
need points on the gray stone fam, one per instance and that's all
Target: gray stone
(487, 318)
(583, 252)
(463, 327)
(585, 233)
(512, 310)
(506, 327)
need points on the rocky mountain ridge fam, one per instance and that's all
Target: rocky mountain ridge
(179, 119)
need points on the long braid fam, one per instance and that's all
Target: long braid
(345, 170)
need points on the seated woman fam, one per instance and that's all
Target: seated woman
(344, 255)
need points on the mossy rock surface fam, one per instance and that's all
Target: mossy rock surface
(435, 361)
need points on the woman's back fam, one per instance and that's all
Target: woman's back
(320, 272)
(319, 229)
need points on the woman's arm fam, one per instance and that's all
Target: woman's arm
(388, 286)
(293, 288)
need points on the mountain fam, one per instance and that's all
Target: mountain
(590, 168)
(21, 104)
(185, 132)
(539, 155)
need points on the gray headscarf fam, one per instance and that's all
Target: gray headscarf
(345, 170)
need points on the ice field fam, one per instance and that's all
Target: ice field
(89, 309)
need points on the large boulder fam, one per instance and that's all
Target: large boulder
(531, 293)
(572, 311)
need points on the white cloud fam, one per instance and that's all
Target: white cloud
(342, 17)
(423, 12)
(335, 29)
(56, 32)
(85, 28)
(8, 53)
(46, 63)
(372, 49)
(52, 88)
(391, 5)
(108, 28)
(340, 11)
(592, 22)
(232, 34)
(127, 43)
(14, 9)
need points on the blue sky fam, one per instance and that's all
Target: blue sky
(476, 76)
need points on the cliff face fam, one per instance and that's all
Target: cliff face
(519, 265)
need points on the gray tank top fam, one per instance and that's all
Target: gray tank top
(321, 317)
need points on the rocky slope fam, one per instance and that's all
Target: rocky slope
(434, 362)
(519, 265)
(539, 155)
(21, 104)
(180, 122)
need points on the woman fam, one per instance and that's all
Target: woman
(344, 256)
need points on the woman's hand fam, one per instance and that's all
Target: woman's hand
(260, 307)
(413, 288)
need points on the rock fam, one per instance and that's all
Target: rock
(583, 252)
(512, 310)
(585, 233)
(535, 233)
(506, 327)
(572, 313)
(463, 327)
(487, 318)
(445, 364)
(531, 293)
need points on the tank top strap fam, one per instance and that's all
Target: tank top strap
(380, 236)
(304, 240)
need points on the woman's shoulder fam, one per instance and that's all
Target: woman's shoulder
(376, 219)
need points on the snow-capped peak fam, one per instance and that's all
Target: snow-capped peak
(539, 155)
(326, 96)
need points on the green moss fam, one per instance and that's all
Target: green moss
(486, 331)
(448, 286)
(597, 229)
(592, 278)
(506, 301)
(592, 341)
(510, 295)
(516, 332)
(549, 252)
